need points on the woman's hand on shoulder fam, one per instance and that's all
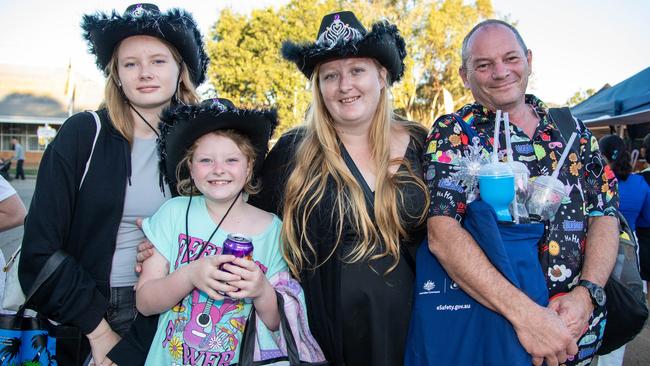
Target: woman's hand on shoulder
(145, 249)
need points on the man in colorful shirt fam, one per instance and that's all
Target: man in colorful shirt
(579, 246)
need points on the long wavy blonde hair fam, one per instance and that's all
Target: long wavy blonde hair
(115, 101)
(320, 158)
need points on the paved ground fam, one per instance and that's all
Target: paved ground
(636, 354)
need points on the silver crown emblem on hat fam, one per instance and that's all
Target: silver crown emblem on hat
(138, 11)
(218, 105)
(336, 32)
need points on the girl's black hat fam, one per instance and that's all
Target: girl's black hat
(181, 126)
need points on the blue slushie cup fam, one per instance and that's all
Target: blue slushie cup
(497, 187)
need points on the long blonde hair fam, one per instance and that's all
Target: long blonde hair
(115, 101)
(320, 158)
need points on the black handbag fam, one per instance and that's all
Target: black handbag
(627, 310)
(247, 348)
(626, 316)
(36, 339)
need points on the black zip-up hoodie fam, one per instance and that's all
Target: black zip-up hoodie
(83, 222)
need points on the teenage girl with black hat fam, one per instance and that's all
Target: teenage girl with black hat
(100, 172)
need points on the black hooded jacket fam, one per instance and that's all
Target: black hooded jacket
(83, 222)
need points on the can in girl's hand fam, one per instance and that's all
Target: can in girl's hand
(239, 246)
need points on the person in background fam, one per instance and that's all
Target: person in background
(643, 225)
(19, 156)
(634, 191)
(151, 60)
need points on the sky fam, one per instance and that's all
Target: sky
(576, 44)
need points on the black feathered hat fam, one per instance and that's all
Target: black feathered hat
(342, 35)
(105, 31)
(181, 126)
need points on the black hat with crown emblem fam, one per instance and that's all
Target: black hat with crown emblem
(104, 32)
(341, 35)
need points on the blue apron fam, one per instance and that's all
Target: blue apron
(448, 327)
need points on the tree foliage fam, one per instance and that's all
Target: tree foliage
(580, 96)
(247, 67)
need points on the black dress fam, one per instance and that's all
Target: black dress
(358, 313)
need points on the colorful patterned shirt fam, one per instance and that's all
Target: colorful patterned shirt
(587, 178)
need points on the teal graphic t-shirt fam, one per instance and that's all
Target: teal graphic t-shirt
(203, 331)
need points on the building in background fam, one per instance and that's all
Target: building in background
(33, 98)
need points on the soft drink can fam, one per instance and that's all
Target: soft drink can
(239, 246)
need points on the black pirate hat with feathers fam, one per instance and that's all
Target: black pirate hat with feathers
(341, 35)
(181, 126)
(104, 32)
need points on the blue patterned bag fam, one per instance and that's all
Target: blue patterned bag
(33, 339)
(25, 340)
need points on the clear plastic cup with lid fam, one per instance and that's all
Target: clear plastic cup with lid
(545, 195)
(522, 175)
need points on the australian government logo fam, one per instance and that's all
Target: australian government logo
(429, 287)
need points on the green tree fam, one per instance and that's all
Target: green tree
(436, 50)
(246, 64)
(580, 96)
(247, 67)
